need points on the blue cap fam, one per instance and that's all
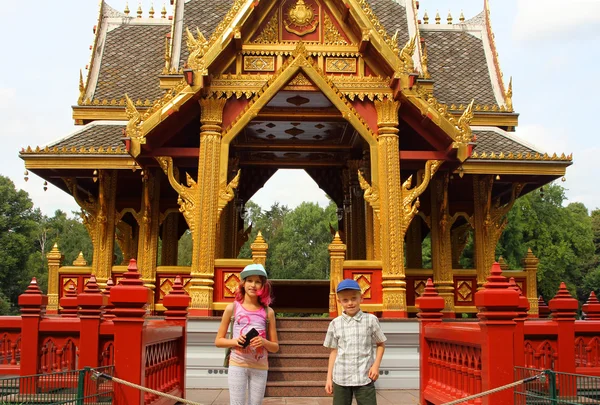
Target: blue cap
(348, 284)
(255, 269)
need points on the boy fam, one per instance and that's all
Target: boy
(353, 366)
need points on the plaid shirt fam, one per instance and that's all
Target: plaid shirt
(354, 338)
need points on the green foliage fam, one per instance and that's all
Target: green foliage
(561, 237)
(298, 239)
(184, 249)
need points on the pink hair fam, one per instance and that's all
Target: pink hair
(264, 295)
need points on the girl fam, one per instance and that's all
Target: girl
(248, 367)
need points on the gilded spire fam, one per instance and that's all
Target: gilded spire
(151, 12)
(163, 12)
(437, 18)
(139, 10)
(425, 18)
(462, 17)
(81, 88)
(426, 74)
(126, 11)
(449, 18)
(508, 96)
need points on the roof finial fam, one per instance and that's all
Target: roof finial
(425, 18)
(437, 17)
(126, 11)
(163, 12)
(426, 74)
(462, 16)
(151, 12)
(167, 68)
(139, 10)
(508, 96)
(81, 88)
(449, 18)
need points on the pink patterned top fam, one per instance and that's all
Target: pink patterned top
(243, 322)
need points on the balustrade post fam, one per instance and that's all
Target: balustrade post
(177, 303)
(498, 305)
(33, 306)
(564, 308)
(68, 303)
(591, 309)
(543, 309)
(337, 254)
(530, 265)
(520, 325)
(430, 305)
(108, 306)
(90, 302)
(130, 298)
(259, 250)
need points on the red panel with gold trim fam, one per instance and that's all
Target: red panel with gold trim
(414, 288)
(164, 285)
(370, 284)
(227, 281)
(76, 280)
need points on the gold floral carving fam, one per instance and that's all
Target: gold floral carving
(226, 192)
(371, 194)
(300, 19)
(340, 65)
(132, 129)
(331, 33)
(269, 34)
(410, 196)
(419, 286)
(394, 300)
(259, 63)
(231, 281)
(366, 7)
(364, 281)
(464, 292)
(508, 97)
(424, 62)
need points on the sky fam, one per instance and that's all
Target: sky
(549, 47)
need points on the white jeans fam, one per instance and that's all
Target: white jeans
(248, 382)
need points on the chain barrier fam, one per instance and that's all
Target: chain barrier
(96, 375)
(540, 376)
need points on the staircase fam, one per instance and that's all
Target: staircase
(300, 366)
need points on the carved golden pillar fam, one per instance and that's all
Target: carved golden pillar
(149, 226)
(102, 224)
(55, 259)
(369, 231)
(414, 246)
(259, 250)
(441, 246)
(337, 255)
(206, 215)
(358, 213)
(489, 219)
(530, 265)
(347, 205)
(391, 215)
(170, 240)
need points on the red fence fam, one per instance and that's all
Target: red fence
(459, 359)
(101, 328)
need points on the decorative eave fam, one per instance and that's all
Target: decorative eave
(510, 156)
(78, 161)
(532, 167)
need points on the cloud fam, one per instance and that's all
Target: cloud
(546, 19)
(545, 139)
(7, 97)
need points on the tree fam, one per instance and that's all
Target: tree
(17, 222)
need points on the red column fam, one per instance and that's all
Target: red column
(497, 304)
(519, 339)
(564, 309)
(591, 308)
(130, 299)
(177, 302)
(90, 302)
(33, 306)
(430, 306)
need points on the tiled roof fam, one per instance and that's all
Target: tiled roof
(132, 59)
(457, 64)
(393, 17)
(204, 14)
(497, 141)
(94, 135)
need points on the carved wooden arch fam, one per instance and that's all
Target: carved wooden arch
(299, 62)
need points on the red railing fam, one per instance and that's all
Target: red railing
(459, 359)
(100, 329)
